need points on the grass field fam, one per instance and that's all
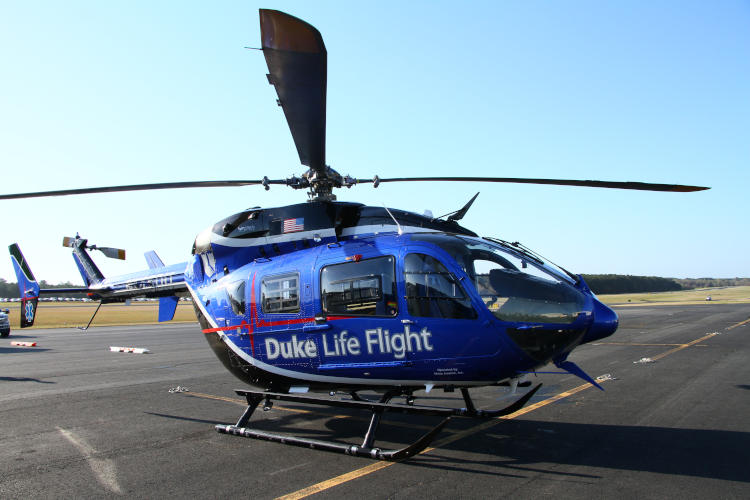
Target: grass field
(720, 295)
(70, 315)
(62, 315)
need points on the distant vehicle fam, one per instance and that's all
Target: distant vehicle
(709, 298)
(4, 323)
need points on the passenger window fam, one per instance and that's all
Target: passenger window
(236, 293)
(365, 287)
(432, 291)
(280, 294)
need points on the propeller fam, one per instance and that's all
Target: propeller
(338, 181)
(640, 186)
(297, 63)
(112, 253)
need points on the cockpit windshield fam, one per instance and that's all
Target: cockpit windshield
(513, 286)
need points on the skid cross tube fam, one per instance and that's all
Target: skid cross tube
(367, 449)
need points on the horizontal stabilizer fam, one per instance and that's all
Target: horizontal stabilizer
(167, 308)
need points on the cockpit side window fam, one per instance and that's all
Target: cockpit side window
(236, 293)
(366, 287)
(280, 294)
(432, 291)
(515, 287)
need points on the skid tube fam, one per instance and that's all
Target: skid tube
(367, 449)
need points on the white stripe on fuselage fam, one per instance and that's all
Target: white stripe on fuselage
(375, 229)
(308, 376)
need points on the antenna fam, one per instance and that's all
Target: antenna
(400, 231)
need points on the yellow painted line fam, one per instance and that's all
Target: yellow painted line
(369, 469)
(217, 398)
(683, 346)
(636, 344)
(738, 324)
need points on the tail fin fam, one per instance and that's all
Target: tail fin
(89, 272)
(153, 260)
(27, 286)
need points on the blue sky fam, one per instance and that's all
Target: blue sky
(107, 93)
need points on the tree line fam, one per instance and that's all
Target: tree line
(599, 283)
(619, 283)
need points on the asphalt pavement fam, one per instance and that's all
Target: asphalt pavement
(77, 420)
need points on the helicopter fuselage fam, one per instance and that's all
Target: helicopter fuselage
(339, 296)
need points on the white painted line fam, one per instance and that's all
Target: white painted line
(134, 350)
(103, 468)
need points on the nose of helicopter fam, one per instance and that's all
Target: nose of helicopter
(605, 323)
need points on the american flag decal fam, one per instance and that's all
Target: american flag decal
(293, 225)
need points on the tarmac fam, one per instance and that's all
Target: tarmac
(78, 420)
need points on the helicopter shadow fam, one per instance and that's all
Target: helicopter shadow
(21, 350)
(25, 379)
(519, 447)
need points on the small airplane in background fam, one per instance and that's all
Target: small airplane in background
(167, 283)
(339, 297)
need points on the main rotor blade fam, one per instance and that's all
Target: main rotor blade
(641, 186)
(297, 63)
(137, 187)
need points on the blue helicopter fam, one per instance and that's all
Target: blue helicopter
(342, 298)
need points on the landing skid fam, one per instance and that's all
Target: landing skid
(367, 449)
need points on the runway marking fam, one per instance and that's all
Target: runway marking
(369, 469)
(103, 468)
(683, 346)
(648, 345)
(738, 324)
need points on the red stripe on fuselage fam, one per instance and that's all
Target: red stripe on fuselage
(255, 322)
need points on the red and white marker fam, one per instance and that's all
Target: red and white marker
(134, 350)
(24, 344)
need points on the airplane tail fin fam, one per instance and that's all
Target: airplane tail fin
(153, 259)
(27, 286)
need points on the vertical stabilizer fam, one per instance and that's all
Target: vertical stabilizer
(153, 260)
(89, 272)
(28, 288)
